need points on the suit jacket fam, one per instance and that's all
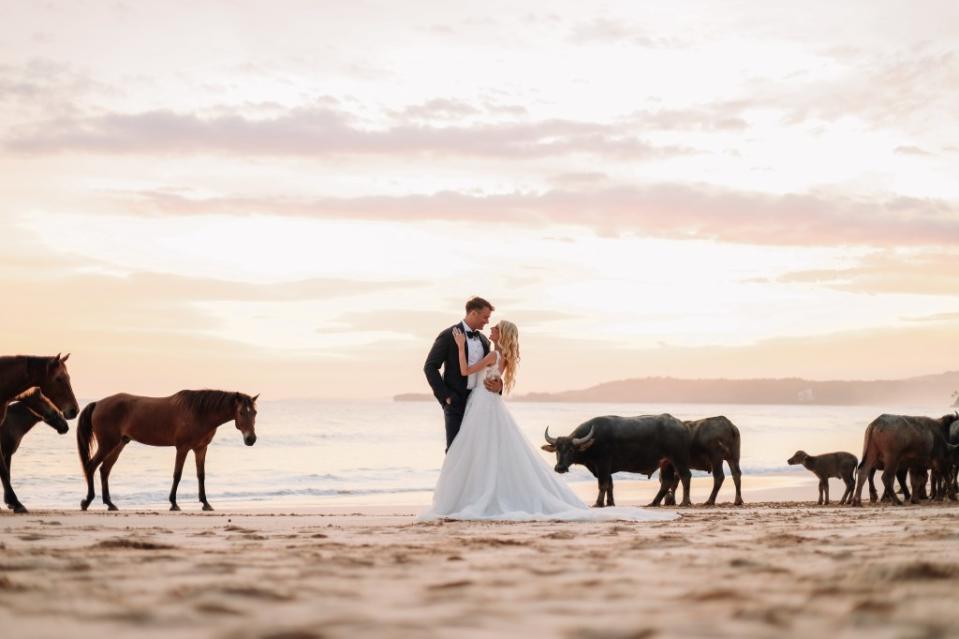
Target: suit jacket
(445, 354)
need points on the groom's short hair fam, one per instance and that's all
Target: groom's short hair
(477, 304)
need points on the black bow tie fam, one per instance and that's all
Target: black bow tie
(472, 334)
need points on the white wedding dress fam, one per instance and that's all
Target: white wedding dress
(492, 472)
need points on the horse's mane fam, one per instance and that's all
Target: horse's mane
(207, 401)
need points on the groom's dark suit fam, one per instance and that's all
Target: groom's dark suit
(451, 384)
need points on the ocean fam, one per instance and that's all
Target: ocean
(313, 453)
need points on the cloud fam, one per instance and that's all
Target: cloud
(321, 130)
(424, 325)
(609, 31)
(911, 150)
(914, 273)
(938, 317)
(892, 89)
(162, 288)
(717, 116)
(664, 210)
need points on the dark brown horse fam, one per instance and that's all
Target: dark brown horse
(187, 420)
(20, 373)
(22, 415)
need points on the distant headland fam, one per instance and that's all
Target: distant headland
(925, 389)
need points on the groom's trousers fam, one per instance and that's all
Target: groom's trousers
(454, 418)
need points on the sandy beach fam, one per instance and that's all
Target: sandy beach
(773, 568)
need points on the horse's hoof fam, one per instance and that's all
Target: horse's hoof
(174, 507)
(84, 504)
(19, 508)
(738, 502)
(112, 507)
(207, 507)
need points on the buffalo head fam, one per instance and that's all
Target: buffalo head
(566, 449)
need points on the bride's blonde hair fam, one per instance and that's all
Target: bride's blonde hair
(509, 348)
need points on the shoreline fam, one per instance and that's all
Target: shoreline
(799, 486)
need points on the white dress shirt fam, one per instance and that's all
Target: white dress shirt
(474, 353)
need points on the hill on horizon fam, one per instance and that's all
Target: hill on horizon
(924, 389)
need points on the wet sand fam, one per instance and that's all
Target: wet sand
(770, 569)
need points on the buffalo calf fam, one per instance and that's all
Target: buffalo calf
(839, 465)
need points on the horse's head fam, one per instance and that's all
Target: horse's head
(245, 417)
(56, 386)
(44, 409)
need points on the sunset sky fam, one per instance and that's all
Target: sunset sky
(293, 198)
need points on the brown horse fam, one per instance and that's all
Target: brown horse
(22, 415)
(187, 420)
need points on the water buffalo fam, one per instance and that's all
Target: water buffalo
(607, 445)
(954, 439)
(713, 440)
(900, 441)
(840, 465)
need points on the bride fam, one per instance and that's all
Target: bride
(492, 471)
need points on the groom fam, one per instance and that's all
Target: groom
(452, 389)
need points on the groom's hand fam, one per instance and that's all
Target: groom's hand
(494, 385)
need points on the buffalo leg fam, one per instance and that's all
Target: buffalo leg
(847, 495)
(177, 472)
(663, 491)
(873, 494)
(916, 478)
(609, 491)
(685, 477)
(822, 491)
(669, 479)
(901, 478)
(200, 455)
(105, 476)
(718, 478)
(888, 477)
(602, 492)
(737, 480)
(865, 471)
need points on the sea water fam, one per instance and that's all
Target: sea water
(323, 453)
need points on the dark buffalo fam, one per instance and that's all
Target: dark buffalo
(954, 439)
(713, 441)
(607, 445)
(899, 441)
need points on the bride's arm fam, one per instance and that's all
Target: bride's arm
(461, 345)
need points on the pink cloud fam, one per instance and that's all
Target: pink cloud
(664, 210)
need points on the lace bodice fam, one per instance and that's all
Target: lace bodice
(492, 371)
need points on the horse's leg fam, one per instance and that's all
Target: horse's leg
(200, 455)
(105, 475)
(9, 497)
(177, 472)
(104, 448)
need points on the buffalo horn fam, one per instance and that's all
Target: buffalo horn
(583, 440)
(550, 440)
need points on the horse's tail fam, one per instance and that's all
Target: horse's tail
(85, 436)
